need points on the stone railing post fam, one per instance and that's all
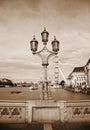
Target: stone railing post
(29, 112)
(62, 105)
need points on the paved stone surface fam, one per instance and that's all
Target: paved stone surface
(33, 126)
(47, 126)
(71, 126)
(53, 126)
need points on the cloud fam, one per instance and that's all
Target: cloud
(20, 20)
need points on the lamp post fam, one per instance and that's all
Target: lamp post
(44, 54)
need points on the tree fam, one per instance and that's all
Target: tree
(62, 83)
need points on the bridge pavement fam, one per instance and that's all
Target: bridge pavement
(40, 126)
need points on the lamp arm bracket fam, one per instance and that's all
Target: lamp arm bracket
(45, 54)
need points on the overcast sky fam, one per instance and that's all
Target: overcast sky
(68, 20)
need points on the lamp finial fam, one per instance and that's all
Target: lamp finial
(44, 28)
(54, 37)
(34, 37)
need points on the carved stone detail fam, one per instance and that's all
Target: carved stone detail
(80, 112)
(86, 110)
(76, 111)
(10, 112)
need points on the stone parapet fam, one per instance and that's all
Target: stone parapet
(44, 111)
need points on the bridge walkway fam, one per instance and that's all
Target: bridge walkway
(41, 126)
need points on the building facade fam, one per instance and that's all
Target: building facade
(87, 70)
(80, 75)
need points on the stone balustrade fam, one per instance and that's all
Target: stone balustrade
(44, 111)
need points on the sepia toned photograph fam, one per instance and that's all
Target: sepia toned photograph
(44, 64)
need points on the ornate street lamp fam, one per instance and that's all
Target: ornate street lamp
(45, 54)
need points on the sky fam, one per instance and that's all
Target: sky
(68, 20)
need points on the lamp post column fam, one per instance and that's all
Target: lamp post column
(44, 54)
(45, 73)
(45, 89)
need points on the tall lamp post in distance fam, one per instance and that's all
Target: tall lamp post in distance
(44, 54)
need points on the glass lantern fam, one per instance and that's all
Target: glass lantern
(44, 36)
(55, 45)
(34, 44)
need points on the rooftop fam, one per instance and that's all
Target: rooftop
(88, 61)
(78, 69)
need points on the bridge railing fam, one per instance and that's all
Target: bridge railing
(44, 111)
(12, 111)
(77, 111)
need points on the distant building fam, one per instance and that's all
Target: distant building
(77, 76)
(80, 75)
(87, 72)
